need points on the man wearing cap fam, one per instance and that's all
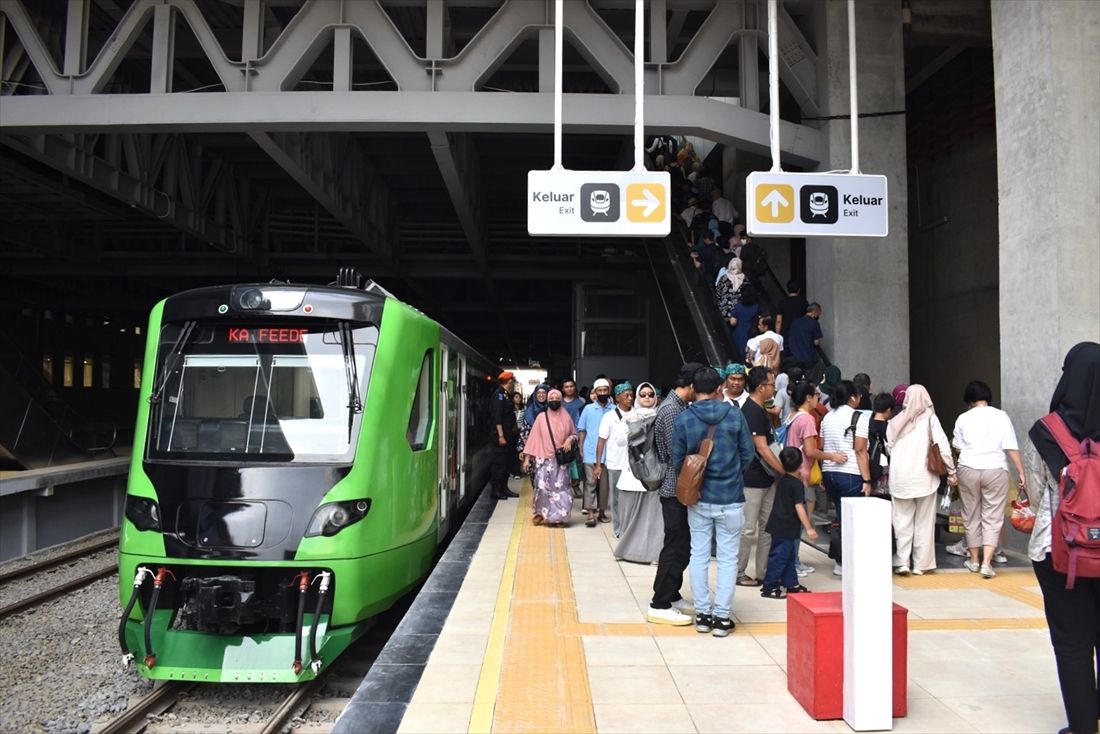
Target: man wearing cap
(612, 447)
(503, 440)
(733, 389)
(596, 484)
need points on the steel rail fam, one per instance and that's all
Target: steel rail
(49, 594)
(297, 698)
(156, 702)
(59, 560)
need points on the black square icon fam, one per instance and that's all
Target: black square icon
(600, 202)
(819, 204)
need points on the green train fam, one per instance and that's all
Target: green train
(300, 452)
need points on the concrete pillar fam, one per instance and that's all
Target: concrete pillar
(863, 283)
(1046, 58)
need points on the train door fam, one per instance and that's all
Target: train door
(444, 431)
(461, 400)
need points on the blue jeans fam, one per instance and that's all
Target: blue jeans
(781, 561)
(723, 523)
(839, 485)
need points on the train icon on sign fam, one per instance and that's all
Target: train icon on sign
(600, 201)
(818, 204)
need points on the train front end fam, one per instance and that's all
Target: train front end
(248, 551)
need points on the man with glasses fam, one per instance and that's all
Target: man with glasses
(759, 484)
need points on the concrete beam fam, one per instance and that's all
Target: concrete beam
(406, 111)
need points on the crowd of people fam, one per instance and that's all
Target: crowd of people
(781, 440)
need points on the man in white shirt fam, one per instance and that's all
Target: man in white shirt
(722, 208)
(851, 477)
(612, 434)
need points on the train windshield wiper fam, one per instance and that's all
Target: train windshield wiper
(172, 360)
(351, 372)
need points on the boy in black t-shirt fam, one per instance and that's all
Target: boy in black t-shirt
(785, 525)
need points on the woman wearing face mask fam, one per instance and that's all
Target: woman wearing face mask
(552, 429)
(535, 406)
(643, 525)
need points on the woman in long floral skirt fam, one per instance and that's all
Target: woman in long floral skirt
(553, 495)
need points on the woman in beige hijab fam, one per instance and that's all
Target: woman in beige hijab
(912, 486)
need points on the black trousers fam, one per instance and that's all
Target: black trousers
(675, 554)
(500, 461)
(1073, 616)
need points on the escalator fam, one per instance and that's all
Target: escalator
(37, 428)
(690, 302)
(701, 335)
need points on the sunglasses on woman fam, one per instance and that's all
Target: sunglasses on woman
(646, 395)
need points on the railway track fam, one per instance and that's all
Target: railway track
(60, 560)
(322, 698)
(73, 556)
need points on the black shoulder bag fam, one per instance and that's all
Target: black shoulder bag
(564, 457)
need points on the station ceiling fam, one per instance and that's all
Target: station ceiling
(68, 242)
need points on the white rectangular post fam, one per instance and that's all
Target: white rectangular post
(868, 614)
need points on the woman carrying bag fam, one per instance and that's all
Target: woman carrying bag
(1073, 614)
(551, 444)
(919, 457)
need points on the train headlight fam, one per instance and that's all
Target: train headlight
(143, 512)
(331, 518)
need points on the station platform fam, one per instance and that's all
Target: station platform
(548, 633)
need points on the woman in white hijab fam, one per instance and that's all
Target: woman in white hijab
(642, 525)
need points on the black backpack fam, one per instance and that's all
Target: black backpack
(876, 449)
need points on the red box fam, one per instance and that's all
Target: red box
(815, 654)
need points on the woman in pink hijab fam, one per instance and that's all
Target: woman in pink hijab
(909, 434)
(553, 496)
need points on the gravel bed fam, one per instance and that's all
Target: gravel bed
(46, 554)
(63, 672)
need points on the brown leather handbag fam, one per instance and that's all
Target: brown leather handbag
(689, 485)
(935, 462)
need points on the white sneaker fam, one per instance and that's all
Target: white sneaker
(987, 572)
(837, 570)
(958, 549)
(902, 571)
(804, 571)
(971, 566)
(667, 616)
(999, 556)
(683, 605)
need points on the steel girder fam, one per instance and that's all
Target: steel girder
(336, 173)
(162, 174)
(419, 79)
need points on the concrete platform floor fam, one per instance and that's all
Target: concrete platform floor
(548, 634)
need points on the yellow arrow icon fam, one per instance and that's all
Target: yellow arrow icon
(774, 203)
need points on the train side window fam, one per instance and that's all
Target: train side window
(420, 419)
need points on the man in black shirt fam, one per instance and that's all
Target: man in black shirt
(791, 307)
(759, 484)
(503, 438)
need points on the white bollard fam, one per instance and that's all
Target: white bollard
(868, 614)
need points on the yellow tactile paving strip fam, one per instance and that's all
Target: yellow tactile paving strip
(543, 679)
(534, 677)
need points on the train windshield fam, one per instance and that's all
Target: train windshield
(272, 392)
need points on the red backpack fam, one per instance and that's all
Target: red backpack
(1075, 527)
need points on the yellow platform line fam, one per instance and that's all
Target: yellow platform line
(481, 717)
